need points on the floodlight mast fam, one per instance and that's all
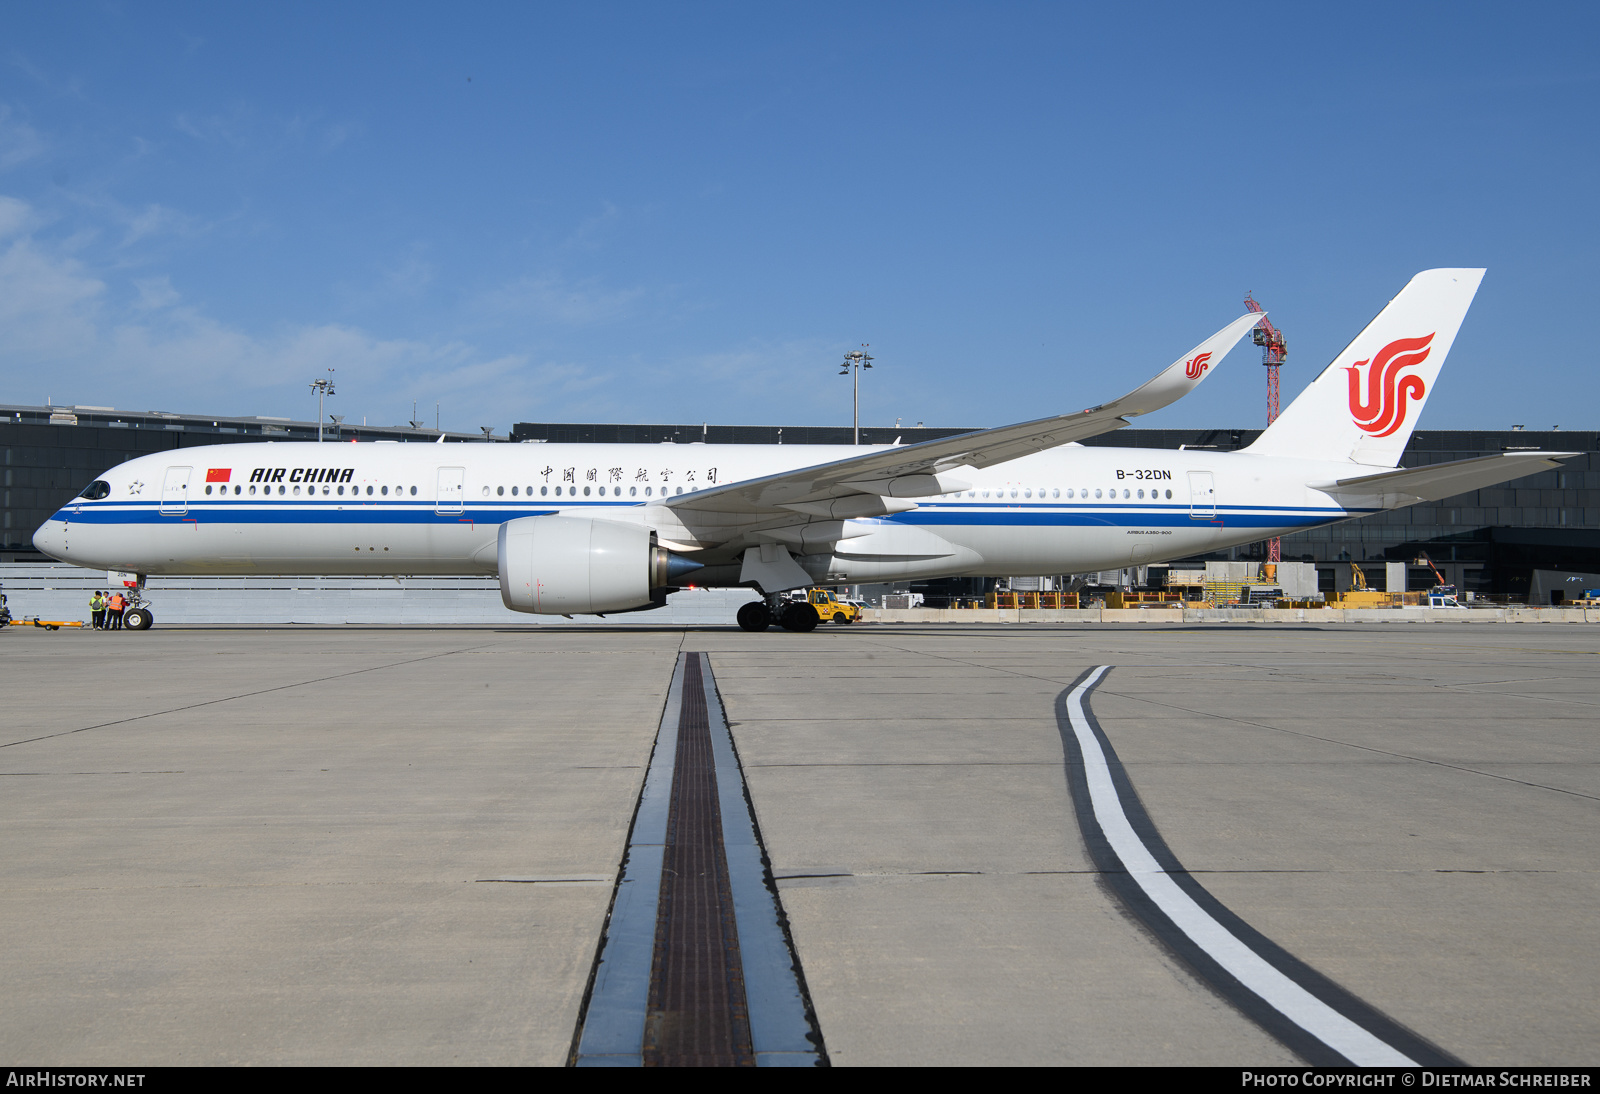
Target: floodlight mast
(854, 362)
(322, 388)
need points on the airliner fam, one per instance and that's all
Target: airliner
(574, 529)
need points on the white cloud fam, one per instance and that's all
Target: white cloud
(156, 292)
(19, 141)
(555, 300)
(48, 306)
(14, 216)
(152, 220)
(135, 343)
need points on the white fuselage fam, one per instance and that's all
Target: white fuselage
(385, 508)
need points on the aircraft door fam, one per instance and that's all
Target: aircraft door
(452, 490)
(175, 492)
(1202, 496)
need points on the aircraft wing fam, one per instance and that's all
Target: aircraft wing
(1442, 480)
(874, 483)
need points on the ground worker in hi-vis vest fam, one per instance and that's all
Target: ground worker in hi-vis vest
(97, 605)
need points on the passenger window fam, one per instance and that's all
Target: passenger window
(633, 491)
(680, 489)
(513, 491)
(543, 490)
(500, 491)
(585, 491)
(297, 491)
(208, 489)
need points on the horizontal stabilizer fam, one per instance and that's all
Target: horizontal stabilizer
(1411, 485)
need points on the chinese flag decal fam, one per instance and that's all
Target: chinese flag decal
(218, 474)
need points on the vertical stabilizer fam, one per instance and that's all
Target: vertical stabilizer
(1364, 405)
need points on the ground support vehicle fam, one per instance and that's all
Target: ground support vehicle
(829, 607)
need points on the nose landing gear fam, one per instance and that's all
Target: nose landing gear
(138, 616)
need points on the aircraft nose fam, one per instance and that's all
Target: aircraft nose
(51, 539)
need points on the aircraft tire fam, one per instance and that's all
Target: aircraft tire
(137, 619)
(800, 618)
(754, 616)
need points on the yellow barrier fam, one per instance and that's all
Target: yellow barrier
(1029, 600)
(1141, 600)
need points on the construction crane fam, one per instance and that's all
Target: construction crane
(1273, 352)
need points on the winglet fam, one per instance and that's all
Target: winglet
(1184, 374)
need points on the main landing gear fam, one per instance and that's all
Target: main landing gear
(791, 615)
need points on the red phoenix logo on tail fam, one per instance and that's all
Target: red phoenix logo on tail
(1197, 364)
(1384, 409)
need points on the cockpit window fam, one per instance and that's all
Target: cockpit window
(96, 490)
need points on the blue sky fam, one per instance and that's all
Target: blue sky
(689, 212)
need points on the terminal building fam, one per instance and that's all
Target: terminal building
(1513, 541)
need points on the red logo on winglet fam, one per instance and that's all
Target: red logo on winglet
(1197, 364)
(1383, 410)
(218, 474)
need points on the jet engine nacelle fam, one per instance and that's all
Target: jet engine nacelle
(580, 566)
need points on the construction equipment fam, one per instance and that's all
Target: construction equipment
(1361, 595)
(1273, 353)
(1443, 594)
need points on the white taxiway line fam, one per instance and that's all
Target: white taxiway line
(1274, 988)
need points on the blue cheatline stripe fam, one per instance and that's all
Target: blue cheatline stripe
(1132, 517)
(303, 513)
(334, 512)
(999, 505)
(1303, 1009)
(611, 1025)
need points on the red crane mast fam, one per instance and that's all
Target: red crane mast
(1273, 352)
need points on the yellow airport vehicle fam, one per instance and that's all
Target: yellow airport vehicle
(830, 607)
(6, 619)
(43, 624)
